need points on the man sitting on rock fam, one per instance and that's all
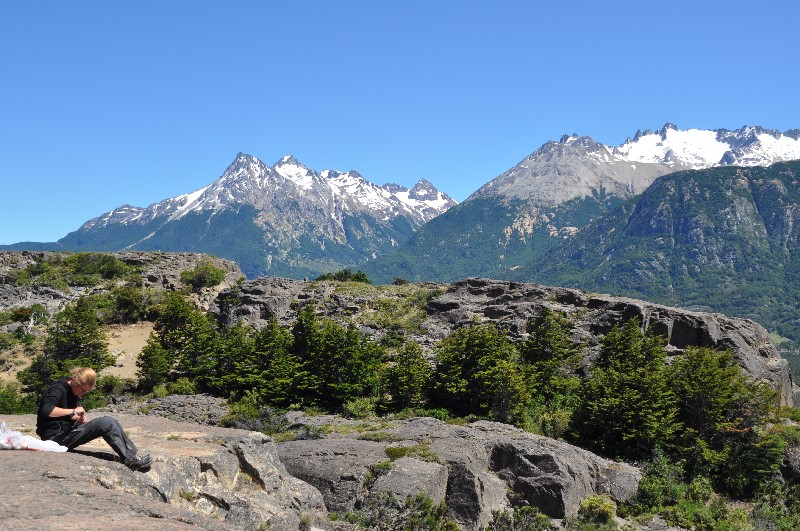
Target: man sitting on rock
(62, 420)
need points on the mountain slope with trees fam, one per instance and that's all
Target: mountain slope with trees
(722, 239)
(522, 214)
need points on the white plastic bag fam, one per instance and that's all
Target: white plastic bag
(14, 440)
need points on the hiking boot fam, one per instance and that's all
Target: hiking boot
(140, 463)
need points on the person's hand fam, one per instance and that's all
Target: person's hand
(81, 414)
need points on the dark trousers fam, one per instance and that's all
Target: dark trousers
(106, 427)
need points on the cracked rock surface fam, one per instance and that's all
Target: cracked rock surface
(201, 477)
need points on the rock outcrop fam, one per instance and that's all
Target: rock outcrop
(511, 305)
(475, 469)
(791, 464)
(159, 271)
(211, 478)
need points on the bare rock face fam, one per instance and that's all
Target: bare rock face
(475, 469)
(511, 305)
(211, 478)
(196, 409)
(791, 464)
(338, 468)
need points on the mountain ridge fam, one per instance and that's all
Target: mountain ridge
(550, 195)
(284, 220)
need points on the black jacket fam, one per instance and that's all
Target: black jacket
(59, 394)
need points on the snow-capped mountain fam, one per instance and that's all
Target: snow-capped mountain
(282, 220)
(698, 148)
(577, 166)
(251, 182)
(521, 215)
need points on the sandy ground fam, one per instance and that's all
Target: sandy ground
(125, 342)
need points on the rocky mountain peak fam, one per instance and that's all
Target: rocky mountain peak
(667, 127)
(424, 191)
(578, 166)
(394, 188)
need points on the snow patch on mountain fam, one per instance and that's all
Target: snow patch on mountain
(694, 147)
(699, 148)
(578, 166)
(291, 169)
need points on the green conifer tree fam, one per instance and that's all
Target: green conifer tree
(628, 408)
(407, 380)
(75, 339)
(723, 415)
(470, 365)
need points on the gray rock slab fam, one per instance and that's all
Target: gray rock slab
(336, 467)
(214, 478)
(409, 476)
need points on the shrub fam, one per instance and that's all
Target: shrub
(407, 380)
(778, 507)
(345, 275)
(376, 471)
(36, 313)
(598, 509)
(380, 436)
(204, 275)
(250, 414)
(662, 485)
(130, 304)
(14, 402)
(523, 518)
(421, 451)
(7, 341)
(106, 387)
(551, 418)
(247, 408)
(787, 412)
(359, 408)
(182, 386)
(417, 512)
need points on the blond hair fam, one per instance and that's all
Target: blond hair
(84, 376)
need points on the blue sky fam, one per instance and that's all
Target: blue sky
(107, 103)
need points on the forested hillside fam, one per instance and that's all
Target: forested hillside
(723, 239)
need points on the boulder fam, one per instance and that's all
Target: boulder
(198, 409)
(790, 468)
(338, 468)
(475, 469)
(409, 476)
